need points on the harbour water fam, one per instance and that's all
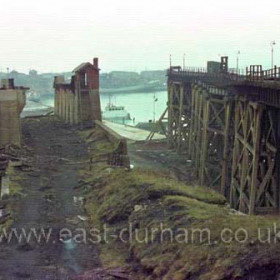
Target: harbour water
(33, 108)
(143, 107)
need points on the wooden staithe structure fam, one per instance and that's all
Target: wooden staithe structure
(227, 124)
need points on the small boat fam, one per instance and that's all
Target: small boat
(115, 113)
(32, 95)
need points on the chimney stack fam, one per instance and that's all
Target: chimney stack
(95, 62)
(7, 83)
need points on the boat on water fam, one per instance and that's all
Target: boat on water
(33, 95)
(115, 113)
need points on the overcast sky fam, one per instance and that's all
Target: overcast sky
(56, 35)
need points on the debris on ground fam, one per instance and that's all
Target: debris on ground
(82, 218)
(106, 273)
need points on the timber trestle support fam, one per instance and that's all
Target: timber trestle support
(231, 135)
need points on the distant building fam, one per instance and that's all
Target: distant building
(79, 101)
(218, 67)
(213, 66)
(33, 73)
(12, 102)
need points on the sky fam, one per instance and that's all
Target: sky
(56, 36)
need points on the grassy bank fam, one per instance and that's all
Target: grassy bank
(169, 230)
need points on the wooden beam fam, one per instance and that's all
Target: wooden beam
(257, 136)
(180, 124)
(204, 140)
(226, 148)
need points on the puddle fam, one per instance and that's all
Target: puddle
(69, 255)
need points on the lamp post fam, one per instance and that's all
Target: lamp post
(272, 43)
(154, 111)
(184, 61)
(170, 60)
(237, 62)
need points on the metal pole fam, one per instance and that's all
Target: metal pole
(154, 112)
(170, 62)
(271, 56)
(237, 62)
(272, 43)
(184, 61)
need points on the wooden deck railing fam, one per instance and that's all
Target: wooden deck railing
(253, 73)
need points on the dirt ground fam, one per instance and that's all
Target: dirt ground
(49, 175)
(48, 180)
(156, 155)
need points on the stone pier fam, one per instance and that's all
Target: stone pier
(78, 101)
(12, 102)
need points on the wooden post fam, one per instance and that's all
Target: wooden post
(191, 136)
(277, 169)
(234, 155)
(194, 123)
(227, 105)
(258, 109)
(179, 147)
(204, 140)
(170, 114)
(197, 136)
(235, 188)
(245, 159)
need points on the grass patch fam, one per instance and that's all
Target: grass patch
(15, 188)
(191, 241)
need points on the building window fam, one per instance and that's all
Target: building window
(86, 79)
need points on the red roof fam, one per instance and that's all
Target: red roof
(83, 66)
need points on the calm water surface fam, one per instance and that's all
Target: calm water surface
(141, 106)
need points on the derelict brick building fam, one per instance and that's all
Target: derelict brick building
(78, 102)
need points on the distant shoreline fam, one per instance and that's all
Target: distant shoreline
(133, 89)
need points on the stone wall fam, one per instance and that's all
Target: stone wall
(119, 157)
(12, 102)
